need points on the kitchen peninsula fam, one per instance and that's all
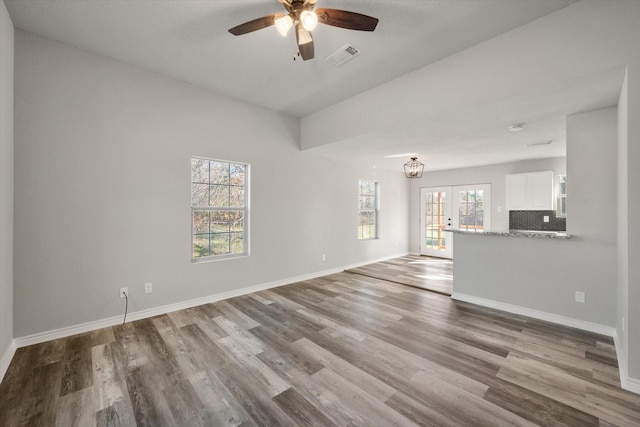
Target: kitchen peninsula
(526, 272)
(517, 233)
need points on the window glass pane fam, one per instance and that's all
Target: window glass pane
(220, 222)
(367, 202)
(237, 174)
(199, 194)
(219, 243)
(219, 195)
(236, 199)
(219, 172)
(200, 171)
(236, 221)
(201, 245)
(200, 222)
(237, 243)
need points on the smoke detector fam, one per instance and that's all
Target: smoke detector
(342, 55)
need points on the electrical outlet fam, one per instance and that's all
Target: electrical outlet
(545, 218)
(123, 292)
(324, 257)
(580, 297)
(148, 288)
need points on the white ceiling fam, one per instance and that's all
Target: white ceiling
(188, 40)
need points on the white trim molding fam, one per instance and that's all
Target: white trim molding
(5, 361)
(143, 314)
(626, 382)
(537, 314)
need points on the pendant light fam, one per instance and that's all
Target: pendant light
(413, 168)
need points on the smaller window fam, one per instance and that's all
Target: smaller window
(561, 208)
(367, 210)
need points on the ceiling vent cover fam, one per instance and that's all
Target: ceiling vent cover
(343, 54)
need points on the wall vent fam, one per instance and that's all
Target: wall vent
(343, 54)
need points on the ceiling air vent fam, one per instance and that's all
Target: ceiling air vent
(343, 54)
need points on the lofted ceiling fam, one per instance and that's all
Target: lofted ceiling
(188, 40)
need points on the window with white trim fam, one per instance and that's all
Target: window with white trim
(367, 210)
(219, 208)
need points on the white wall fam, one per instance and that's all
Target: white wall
(622, 222)
(628, 229)
(103, 194)
(543, 274)
(6, 187)
(633, 204)
(494, 175)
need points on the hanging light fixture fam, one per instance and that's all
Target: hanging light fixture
(308, 19)
(413, 168)
(283, 24)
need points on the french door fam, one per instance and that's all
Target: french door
(435, 216)
(464, 207)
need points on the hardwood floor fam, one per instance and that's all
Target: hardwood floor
(430, 273)
(339, 350)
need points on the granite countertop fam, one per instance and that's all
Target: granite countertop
(517, 233)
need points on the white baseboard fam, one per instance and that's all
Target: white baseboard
(537, 314)
(630, 384)
(6, 359)
(143, 314)
(627, 383)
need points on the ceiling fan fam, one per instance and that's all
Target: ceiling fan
(301, 14)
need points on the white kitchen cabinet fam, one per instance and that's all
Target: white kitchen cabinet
(530, 191)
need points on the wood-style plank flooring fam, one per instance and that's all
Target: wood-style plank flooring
(430, 273)
(339, 350)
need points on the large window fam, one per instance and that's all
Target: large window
(367, 210)
(219, 208)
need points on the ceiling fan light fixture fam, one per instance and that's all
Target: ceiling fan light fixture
(308, 19)
(283, 24)
(413, 168)
(303, 35)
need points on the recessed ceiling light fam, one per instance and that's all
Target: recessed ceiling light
(517, 127)
(395, 156)
(535, 144)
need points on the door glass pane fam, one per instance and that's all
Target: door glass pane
(471, 210)
(435, 221)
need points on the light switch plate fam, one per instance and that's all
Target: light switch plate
(545, 218)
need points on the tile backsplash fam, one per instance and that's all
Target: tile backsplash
(534, 220)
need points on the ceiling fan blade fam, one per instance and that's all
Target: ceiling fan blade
(305, 43)
(346, 19)
(256, 24)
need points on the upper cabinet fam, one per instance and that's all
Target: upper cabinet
(530, 191)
